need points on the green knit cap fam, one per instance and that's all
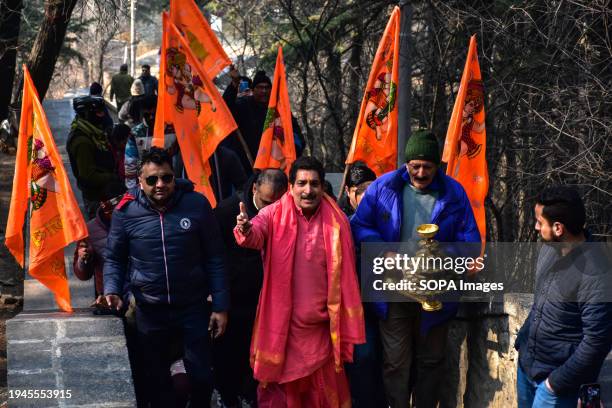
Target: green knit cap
(423, 145)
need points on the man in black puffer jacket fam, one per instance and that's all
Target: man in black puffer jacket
(568, 332)
(164, 235)
(233, 374)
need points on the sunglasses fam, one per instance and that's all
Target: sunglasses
(166, 179)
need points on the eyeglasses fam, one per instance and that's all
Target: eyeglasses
(166, 179)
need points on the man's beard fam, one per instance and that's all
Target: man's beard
(554, 239)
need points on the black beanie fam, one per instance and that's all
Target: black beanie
(260, 76)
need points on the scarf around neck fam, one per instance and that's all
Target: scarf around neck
(346, 324)
(96, 134)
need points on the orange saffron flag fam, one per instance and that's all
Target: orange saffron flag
(375, 137)
(202, 41)
(189, 101)
(277, 149)
(41, 183)
(466, 139)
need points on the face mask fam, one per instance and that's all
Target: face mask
(95, 119)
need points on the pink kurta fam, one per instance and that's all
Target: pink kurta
(308, 343)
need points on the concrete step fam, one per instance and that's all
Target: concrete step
(80, 352)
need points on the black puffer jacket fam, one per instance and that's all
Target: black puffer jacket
(568, 332)
(172, 257)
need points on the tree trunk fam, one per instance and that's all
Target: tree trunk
(100, 74)
(308, 134)
(10, 18)
(48, 43)
(335, 134)
(355, 87)
(102, 47)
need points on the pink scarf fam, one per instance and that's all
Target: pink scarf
(271, 327)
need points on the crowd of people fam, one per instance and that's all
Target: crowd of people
(259, 298)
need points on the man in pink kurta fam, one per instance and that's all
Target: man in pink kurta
(309, 314)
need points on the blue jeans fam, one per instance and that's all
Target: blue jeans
(532, 394)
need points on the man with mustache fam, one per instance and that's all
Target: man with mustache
(309, 314)
(391, 209)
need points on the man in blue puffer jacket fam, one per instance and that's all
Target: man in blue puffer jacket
(165, 236)
(393, 206)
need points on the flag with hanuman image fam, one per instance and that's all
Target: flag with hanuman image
(189, 101)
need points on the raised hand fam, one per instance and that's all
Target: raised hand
(242, 220)
(234, 75)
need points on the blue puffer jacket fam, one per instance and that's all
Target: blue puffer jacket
(171, 257)
(379, 219)
(568, 332)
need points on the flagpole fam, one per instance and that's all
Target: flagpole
(404, 100)
(218, 172)
(132, 37)
(245, 147)
(26, 240)
(343, 183)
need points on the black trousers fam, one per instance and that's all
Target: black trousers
(158, 327)
(407, 351)
(232, 369)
